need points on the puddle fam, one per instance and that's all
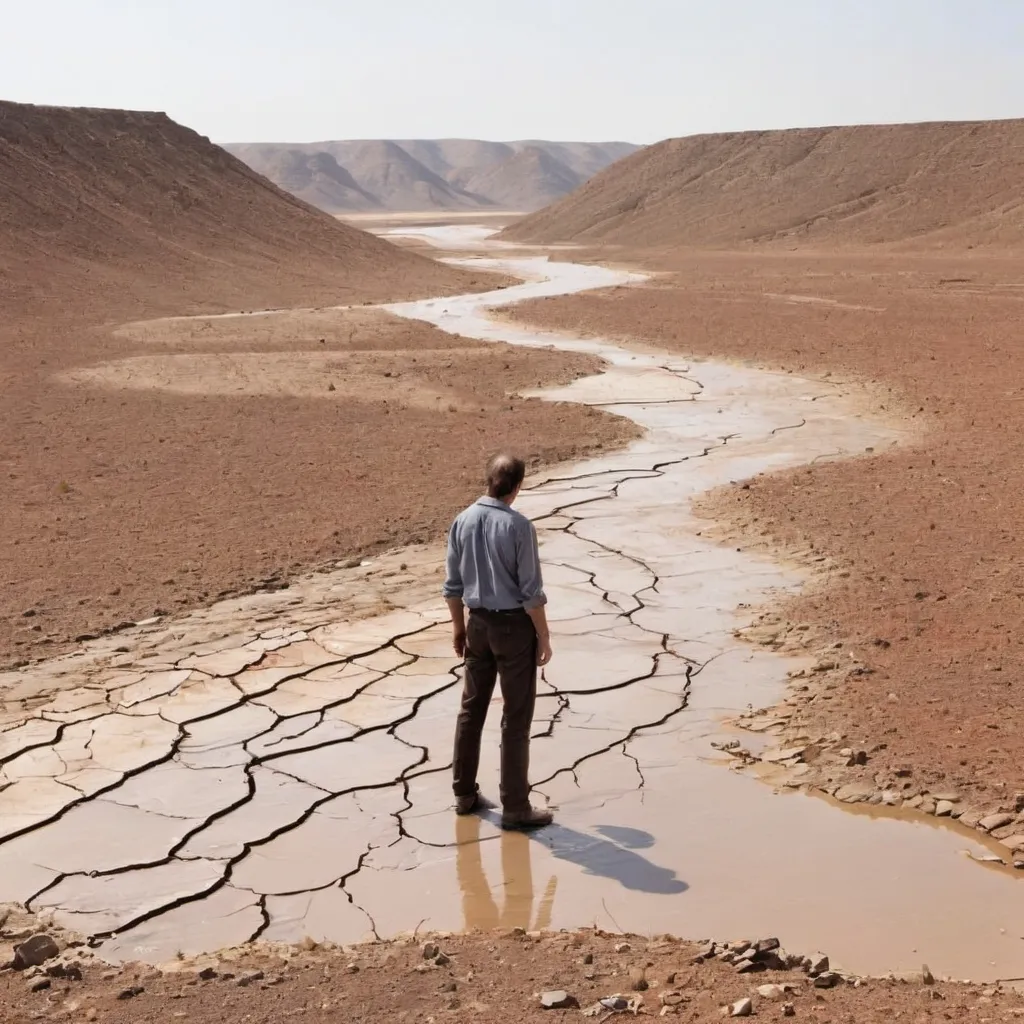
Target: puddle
(278, 767)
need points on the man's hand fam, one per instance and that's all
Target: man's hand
(543, 650)
(459, 639)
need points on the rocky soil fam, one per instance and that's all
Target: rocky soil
(48, 975)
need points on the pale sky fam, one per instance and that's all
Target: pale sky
(638, 70)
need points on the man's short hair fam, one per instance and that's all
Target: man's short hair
(504, 474)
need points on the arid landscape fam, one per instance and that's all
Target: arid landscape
(422, 175)
(766, 384)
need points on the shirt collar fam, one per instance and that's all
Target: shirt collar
(492, 502)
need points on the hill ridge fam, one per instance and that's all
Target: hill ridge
(937, 183)
(427, 174)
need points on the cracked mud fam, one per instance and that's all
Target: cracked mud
(277, 766)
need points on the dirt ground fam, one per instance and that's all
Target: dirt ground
(927, 591)
(161, 466)
(483, 976)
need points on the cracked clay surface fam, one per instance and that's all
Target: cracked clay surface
(277, 766)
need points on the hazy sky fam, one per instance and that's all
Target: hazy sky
(641, 70)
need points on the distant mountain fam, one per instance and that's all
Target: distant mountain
(429, 174)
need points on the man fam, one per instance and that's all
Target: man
(493, 569)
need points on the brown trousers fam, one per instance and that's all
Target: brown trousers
(498, 645)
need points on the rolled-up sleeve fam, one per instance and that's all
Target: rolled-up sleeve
(531, 583)
(453, 585)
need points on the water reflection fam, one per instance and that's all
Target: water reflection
(478, 904)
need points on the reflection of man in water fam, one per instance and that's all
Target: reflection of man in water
(478, 905)
(493, 569)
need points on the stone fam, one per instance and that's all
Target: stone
(993, 821)
(1014, 843)
(63, 969)
(742, 1008)
(38, 984)
(588, 958)
(623, 947)
(788, 1010)
(855, 792)
(430, 950)
(927, 977)
(671, 998)
(946, 795)
(556, 1000)
(615, 1003)
(766, 945)
(34, 952)
(131, 992)
(971, 817)
(817, 963)
(207, 974)
(748, 966)
(772, 992)
(249, 978)
(943, 808)
(827, 979)
(705, 952)
(442, 960)
(638, 979)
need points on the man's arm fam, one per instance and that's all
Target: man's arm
(531, 585)
(452, 591)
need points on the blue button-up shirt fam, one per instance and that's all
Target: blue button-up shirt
(493, 561)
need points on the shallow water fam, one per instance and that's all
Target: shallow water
(287, 780)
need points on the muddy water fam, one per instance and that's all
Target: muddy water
(277, 766)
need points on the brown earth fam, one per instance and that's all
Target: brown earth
(488, 976)
(943, 184)
(927, 591)
(236, 462)
(119, 214)
(166, 465)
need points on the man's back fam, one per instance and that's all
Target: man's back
(493, 561)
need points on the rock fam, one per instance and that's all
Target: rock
(766, 945)
(971, 817)
(442, 960)
(672, 998)
(588, 958)
(207, 974)
(131, 992)
(65, 970)
(817, 963)
(747, 966)
(617, 1004)
(946, 795)
(249, 978)
(855, 792)
(788, 1010)
(34, 952)
(742, 1008)
(556, 1000)
(706, 952)
(449, 986)
(430, 950)
(38, 984)
(943, 808)
(927, 978)
(623, 947)
(772, 992)
(992, 821)
(827, 979)
(638, 979)
(1014, 843)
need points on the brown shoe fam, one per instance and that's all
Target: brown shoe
(528, 819)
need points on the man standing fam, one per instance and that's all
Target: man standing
(493, 569)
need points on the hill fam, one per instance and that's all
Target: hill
(434, 174)
(118, 211)
(931, 184)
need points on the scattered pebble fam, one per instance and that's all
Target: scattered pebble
(742, 1008)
